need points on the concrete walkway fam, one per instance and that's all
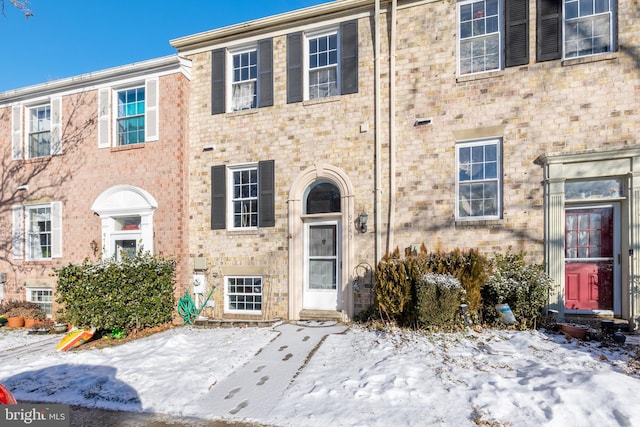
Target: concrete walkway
(253, 390)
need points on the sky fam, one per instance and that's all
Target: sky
(67, 38)
(359, 377)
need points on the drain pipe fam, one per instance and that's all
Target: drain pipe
(392, 129)
(378, 132)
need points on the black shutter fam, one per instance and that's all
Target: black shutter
(294, 68)
(266, 204)
(218, 197)
(349, 57)
(265, 73)
(217, 81)
(517, 32)
(549, 30)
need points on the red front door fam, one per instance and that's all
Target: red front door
(589, 258)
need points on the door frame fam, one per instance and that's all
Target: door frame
(617, 255)
(346, 216)
(306, 293)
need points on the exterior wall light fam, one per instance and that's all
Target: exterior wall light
(362, 221)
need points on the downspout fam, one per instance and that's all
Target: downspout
(392, 129)
(378, 132)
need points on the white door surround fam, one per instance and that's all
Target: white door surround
(297, 218)
(126, 214)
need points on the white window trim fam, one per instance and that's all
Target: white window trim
(227, 310)
(20, 237)
(500, 38)
(308, 35)
(28, 125)
(229, 74)
(613, 13)
(115, 117)
(230, 199)
(50, 304)
(499, 174)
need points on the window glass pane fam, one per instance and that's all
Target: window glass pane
(39, 232)
(478, 180)
(601, 6)
(323, 198)
(244, 294)
(586, 7)
(131, 110)
(245, 198)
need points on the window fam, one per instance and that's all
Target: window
(243, 294)
(478, 181)
(39, 234)
(41, 296)
(37, 229)
(242, 77)
(36, 130)
(242, 196)
(322, 63)
(244, 82)
(575, 28)
(479, 32)
(587, 27)
(128, 115)
(39, 144)
(131, 116)
(323, 66)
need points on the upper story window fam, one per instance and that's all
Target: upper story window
(242, 77)
(323, 65)
(244, 82)
(588, 28)
(36, 130)
(479, 36)
(478, 180)
(242, 196)
(39, 131)
(574, 28)
(37, 229)
(130, 116)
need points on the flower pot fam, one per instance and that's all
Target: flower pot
(60, 327)
(575, 331)
(30, 323)
(15, 322)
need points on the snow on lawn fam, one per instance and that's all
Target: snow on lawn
(359, 378)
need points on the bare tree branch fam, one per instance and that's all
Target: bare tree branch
(21, 5)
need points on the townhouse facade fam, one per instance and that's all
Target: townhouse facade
(94, 167)
(281, 158)
(323, 138)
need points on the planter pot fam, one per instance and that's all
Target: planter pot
(60, 327)
(15, 322)
(30, 323)
(575, 331)
(3, 320)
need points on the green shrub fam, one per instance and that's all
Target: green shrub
(135, 293)
(438, 299)
(396, 280)
(392, 289)
(525, 287)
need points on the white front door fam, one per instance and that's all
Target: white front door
(322, 265)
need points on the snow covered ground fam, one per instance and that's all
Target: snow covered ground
(358, 378)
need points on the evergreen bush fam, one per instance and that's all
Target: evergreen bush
(135, 293)
(525, 287)
(438, 299)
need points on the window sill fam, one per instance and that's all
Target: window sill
(128, 147)
(480, 76)
(477, 222)
(611, 56)
(242, 112)
(37, 159)
(317, 101)
(240, 231)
